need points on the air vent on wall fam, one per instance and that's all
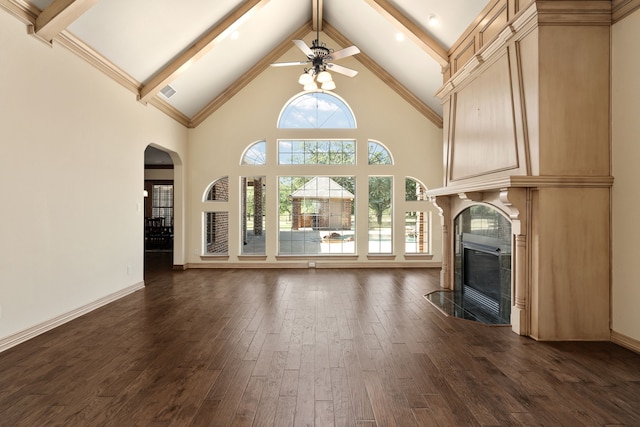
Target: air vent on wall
(167, 91)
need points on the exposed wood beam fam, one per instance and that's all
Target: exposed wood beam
(25, 12)
(59, 15)
(316, 15)
(247, 77)
(383, 75)
(199, 49)
(411, 31)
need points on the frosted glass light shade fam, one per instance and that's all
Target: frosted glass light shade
(323, 77)
(311, 86)
(305, 78)
(330, 85)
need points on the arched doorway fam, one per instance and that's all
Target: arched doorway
(159, 210)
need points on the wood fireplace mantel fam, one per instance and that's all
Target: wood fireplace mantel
(526, 130)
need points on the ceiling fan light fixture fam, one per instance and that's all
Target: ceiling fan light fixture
(323, 77)
(305, 78)
(330, 85)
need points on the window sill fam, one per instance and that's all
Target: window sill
(381, 256)
(316, 257)
(418, 256)
(252, 257)
(216, 257)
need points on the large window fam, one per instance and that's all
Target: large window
(315, 168)
(316, 215)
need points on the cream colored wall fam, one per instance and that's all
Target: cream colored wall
(71, 177)
(158, 174)
(626, 154)
(216, 146)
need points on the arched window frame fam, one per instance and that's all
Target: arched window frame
(338, 101)
(257, 147)
(382, 149)
(206, 197)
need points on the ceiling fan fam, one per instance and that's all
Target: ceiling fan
(320, 58)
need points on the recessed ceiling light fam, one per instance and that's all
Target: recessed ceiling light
(433, 20)
(235, 35)
(399, 37)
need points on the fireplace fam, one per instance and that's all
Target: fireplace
(483, 289)
(482, 282)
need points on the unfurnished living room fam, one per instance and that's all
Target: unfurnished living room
(319, 212)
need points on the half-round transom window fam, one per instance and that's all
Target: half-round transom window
(316, 110)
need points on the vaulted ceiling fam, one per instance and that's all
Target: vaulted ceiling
(206, 51)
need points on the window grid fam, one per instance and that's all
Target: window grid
(317, 152)
(162, 203)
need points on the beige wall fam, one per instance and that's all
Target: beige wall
(71, 177)
(216, 147)
(626, 154)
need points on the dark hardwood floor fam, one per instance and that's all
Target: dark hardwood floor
(305, 347)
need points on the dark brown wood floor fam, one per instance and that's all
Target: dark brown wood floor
(306, 347)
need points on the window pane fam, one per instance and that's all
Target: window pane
(162, 203)
(316, 110)
(218, 191)
(311, 152)
(217, 233)
(416, 232)
(316, 215)
(253, 215)
(255, 154)
(380, 218)
(414, 190)
(378, 155)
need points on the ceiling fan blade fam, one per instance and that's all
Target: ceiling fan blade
(288, 64)
(304, 48)
(342, 70)
(344, 53)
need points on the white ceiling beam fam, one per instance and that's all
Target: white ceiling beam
(411, 31)
(316, 15)
(199, 49)
(59, 15)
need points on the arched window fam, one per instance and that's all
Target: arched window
(255, 154)
(378, 154)
(316, 110)
(218, 191)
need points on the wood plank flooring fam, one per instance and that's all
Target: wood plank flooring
(303, 348)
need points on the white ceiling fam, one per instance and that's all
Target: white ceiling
(141, 37)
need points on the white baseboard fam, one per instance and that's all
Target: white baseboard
(27, 334)
(625, 341)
